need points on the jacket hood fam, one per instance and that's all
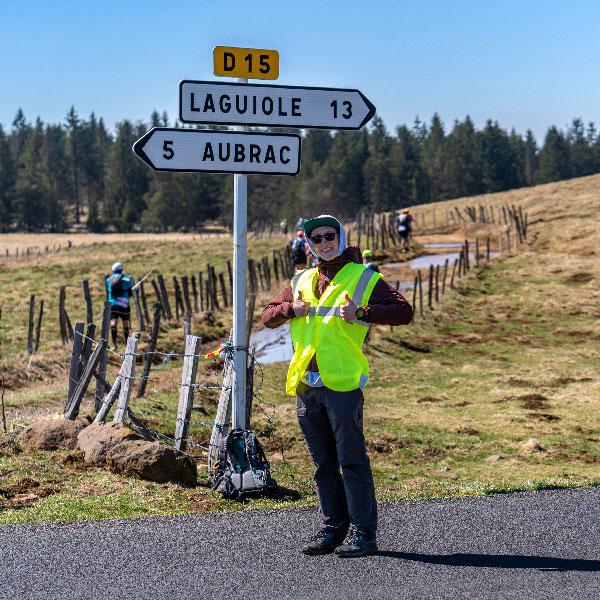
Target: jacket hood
(342, 245)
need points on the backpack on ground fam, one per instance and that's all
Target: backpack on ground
(243, 467)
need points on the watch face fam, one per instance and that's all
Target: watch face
(360, 313)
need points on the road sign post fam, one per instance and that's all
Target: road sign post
(240, 352)
(242, 152)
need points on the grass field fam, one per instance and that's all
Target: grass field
(497, 389)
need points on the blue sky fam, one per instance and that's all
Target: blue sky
(526, 63)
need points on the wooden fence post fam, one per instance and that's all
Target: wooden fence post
(138, 310)
(467, 259)
(75, 401)
(164, 298)
(178, 300)
(187, 324)
(186, 293)
(38, 329)
(487, 248)
(223, 290)
(30, 324)
(89, 309)
(477, 252)
(249, 317)
(186, 391)
(420, 293)
(144, 301)
(222, 418)
(104, 333)
(61, 314)
(230, 277)
(127, 375)
(437, 283)
(453, 273)
(203, 299)
(108, 400)
(75, 366)
(414, 297)
(195, 293)
(430, 288)
(149, 353)
(445, 275)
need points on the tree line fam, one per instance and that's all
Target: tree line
(54, 177)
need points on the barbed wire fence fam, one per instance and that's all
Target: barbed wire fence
(118, 394)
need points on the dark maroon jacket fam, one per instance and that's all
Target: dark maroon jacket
(386, 305)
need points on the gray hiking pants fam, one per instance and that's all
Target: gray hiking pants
(332, 425)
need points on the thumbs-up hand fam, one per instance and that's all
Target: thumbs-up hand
(348, 311)
(300, 307)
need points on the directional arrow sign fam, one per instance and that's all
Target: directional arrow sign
(167, 149)
(272, 105)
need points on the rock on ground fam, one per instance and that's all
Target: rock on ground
(52, 434)
(152, 461)
(98, 439)
(123, 451)
(531, 446)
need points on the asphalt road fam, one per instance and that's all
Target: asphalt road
(543, 545)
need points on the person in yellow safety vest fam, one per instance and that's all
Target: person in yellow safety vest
(330, 308)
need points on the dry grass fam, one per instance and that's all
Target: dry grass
(511, 355)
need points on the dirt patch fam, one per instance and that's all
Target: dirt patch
(534, 402)
(462, 403)
(579, 278)
(528, 401)
(383, 444)
(568, 380)
(24, 492)
(428, 399)
(516, 382)
(544, 417)
(467, 431)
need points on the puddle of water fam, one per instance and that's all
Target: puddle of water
(433, 245)
(423, 262)
(272, 345)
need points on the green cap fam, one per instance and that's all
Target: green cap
(321, 221)
(367, 253)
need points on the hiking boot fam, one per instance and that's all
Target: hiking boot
(358, 543)
(325, 541)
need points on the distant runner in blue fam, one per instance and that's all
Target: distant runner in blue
(118, 291)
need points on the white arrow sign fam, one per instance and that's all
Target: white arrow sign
(167, 149)
(272, 105)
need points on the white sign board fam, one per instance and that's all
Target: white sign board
(168, 149)
(272, 105)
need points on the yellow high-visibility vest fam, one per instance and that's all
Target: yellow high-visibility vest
(337, 343)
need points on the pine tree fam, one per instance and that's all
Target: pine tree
(126, 180)
(433, 160)
(463, 168)
(58, 184)
(31, 189)
(554, 161)
(7, 182)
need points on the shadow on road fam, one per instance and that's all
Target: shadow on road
(499, 561)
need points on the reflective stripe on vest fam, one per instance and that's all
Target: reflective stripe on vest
(336, 342)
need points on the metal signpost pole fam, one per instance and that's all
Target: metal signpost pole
(240, 354)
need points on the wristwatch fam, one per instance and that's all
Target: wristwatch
(360, 313)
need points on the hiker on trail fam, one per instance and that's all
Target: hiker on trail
(330, 308)
(118, 291)
(298, 247)
(367, 257)
(404, 226)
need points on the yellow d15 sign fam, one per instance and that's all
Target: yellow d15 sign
(251, 63)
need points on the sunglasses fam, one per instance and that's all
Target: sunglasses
(317, 239)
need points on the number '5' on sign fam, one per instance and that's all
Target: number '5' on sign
(250, 63)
